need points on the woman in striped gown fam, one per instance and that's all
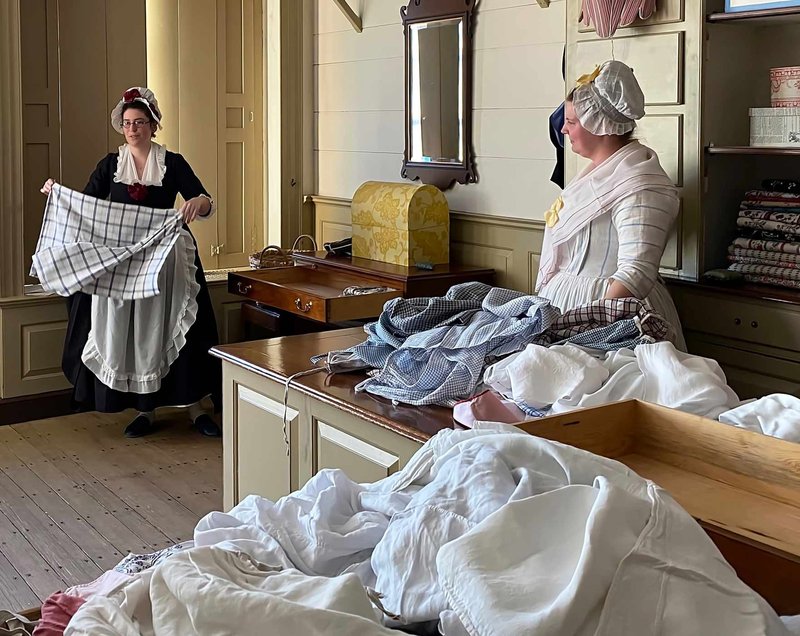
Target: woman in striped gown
(606, 233)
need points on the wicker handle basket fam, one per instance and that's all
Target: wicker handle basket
(310, 239)
(275, 256)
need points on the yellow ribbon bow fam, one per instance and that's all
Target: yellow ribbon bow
(551, 216)
(587, 78)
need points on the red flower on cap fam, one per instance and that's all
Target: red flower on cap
(137, 191)
(130, 95)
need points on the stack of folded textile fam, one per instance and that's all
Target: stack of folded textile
(768, 248)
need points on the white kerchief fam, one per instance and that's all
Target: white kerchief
(154, 169)
(632, 168)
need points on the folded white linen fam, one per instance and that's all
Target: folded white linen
(777, 415)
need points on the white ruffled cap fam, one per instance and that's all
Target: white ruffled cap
(140, 94)
(610, 104)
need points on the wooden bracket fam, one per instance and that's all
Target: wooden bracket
(543, 3)
(352, 16)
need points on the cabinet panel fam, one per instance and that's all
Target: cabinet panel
(656, 59)
(739, 319)
(363, 450)
(750, 374)
(263, 463)
(664, 134)
(363, 462)
(31, 341)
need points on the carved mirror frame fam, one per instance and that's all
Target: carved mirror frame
(442, 175)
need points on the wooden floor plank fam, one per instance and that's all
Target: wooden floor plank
(187, 474)
(13, 588)
(40, 575)
(113, 457)
(73, 489)
(106, 524)
(151, 537)
(45, 534)
(52, 506)
(159, 508)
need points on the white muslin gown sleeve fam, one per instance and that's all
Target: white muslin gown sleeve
(642, 221)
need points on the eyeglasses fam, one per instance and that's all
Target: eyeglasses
(127, 123)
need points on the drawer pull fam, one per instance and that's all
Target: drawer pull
(243, 287)
(754, 324)
(737, 321)
(304, 308)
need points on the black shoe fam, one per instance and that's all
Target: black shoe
(140, 427)
(207, 426)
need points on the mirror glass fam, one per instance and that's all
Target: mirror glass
(436, 91)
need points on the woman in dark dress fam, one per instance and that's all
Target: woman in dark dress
(144, 173)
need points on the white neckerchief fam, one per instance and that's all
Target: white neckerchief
(154, 169)
(632, 168)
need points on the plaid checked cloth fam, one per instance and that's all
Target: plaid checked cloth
(609, 324)
(101, 247)
(434, 350)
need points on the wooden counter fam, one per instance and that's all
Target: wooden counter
(328, 424)
(279, 358)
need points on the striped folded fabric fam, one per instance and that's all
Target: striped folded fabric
(769, 280)
(766, 270)
(738, 254)
(743, 260)
(787, 229)
(767, 198)
(783, 247)
(779, 215)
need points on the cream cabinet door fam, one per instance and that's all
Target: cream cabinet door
(256, 456)
(263, 458)
(365, 451)
(751, 373)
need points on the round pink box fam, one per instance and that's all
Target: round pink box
(785, 86)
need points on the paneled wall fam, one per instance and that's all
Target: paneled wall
(204, 62)
(78, 57)
(517, 70)
(32, 331)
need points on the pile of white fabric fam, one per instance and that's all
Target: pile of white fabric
(488, 531)
(567, 377)
(777, 415)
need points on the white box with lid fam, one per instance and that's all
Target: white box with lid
(778, 127)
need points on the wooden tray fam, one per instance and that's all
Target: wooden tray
(310, 293)
(742, 487)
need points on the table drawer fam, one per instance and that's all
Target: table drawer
(307, 292)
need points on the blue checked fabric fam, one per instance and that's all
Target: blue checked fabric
(434, 350)
(102, 248)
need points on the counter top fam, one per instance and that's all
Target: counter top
(744, 290)
(280, 358)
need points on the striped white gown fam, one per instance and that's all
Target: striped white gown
(626, 244)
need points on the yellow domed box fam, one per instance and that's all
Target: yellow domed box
(401, 223)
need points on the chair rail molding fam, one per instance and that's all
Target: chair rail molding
(11, 237)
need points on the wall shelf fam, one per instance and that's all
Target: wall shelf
(752, 150)
(785, 15)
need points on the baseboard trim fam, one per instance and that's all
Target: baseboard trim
(27, 408)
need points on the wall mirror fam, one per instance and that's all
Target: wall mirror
(438, 87)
